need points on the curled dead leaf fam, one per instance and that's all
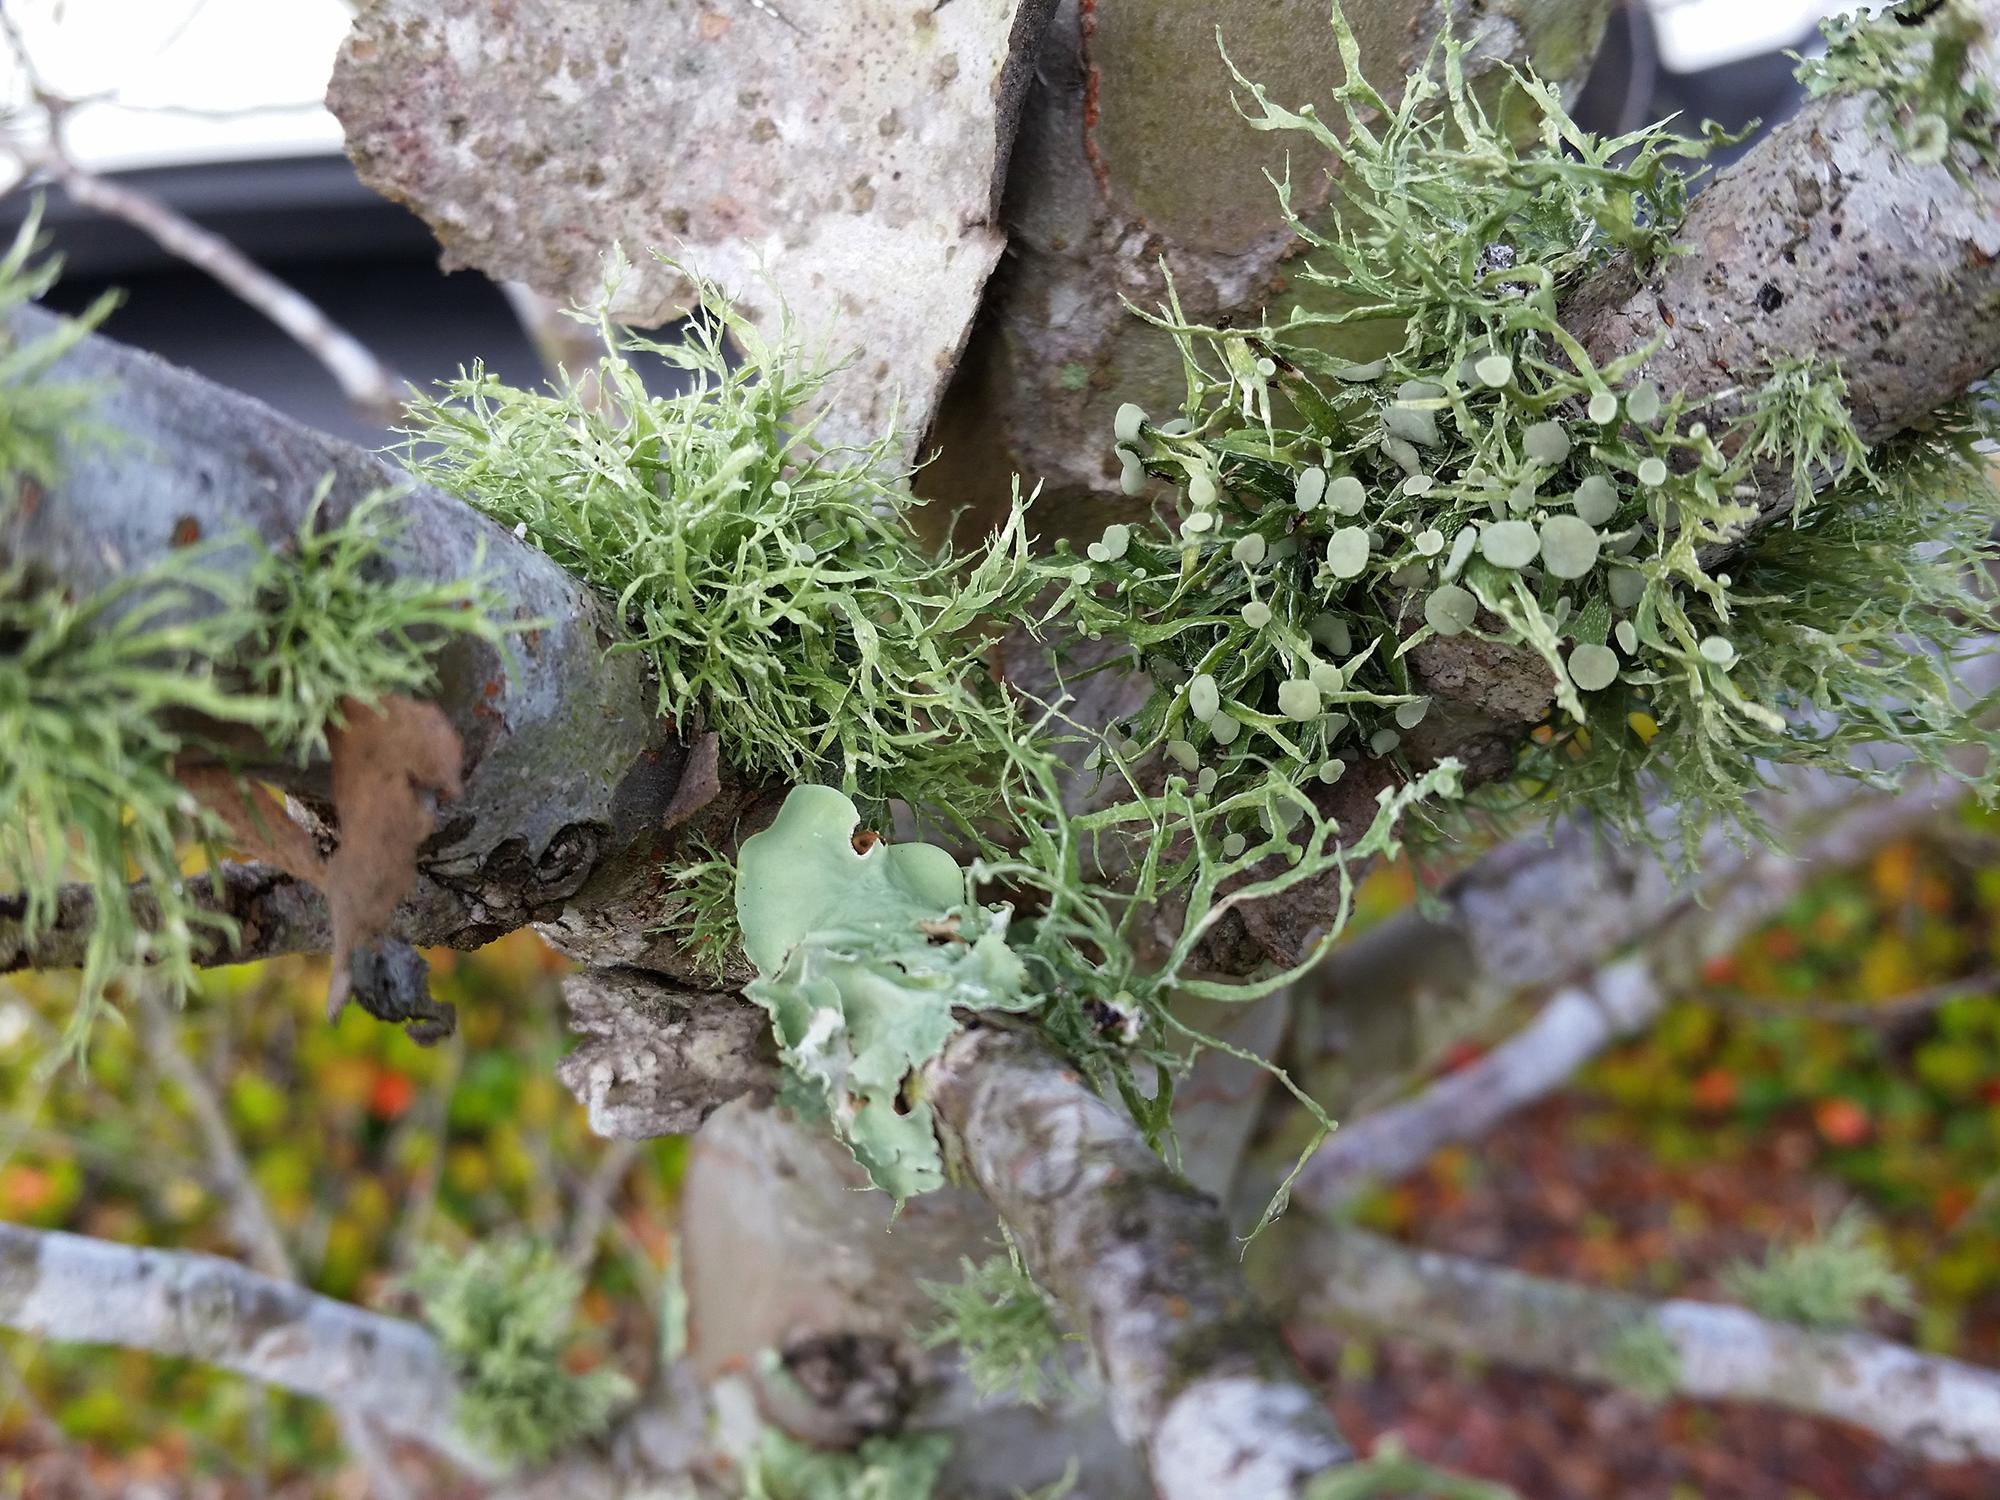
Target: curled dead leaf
(392, 762)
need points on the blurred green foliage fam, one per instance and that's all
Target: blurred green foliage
(364, 1148)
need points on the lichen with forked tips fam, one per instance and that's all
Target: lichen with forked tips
(1320, 525)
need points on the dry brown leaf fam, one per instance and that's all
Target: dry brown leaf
(390, 764)
(257, 822)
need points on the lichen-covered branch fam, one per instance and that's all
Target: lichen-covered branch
(273, 914)
(1145, 1266)
(1828, 242)
(1940, 1408)
(1618, 1000)
(79, 1290)
(567, 764)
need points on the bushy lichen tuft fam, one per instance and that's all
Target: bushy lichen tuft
(100, 697)
(903, 1467)
(504, 1313)
(1915, 58)
(1828, 1281)
(773, 582)
(1642, 1359)
(1003, 1326)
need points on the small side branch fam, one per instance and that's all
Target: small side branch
(369, 385)
(1619, 1000)
(1940, 1408)
(273, 914)
(1194, 1371)
(80, 1290)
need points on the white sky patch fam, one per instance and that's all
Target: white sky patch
(1700, 34)
(193, 80)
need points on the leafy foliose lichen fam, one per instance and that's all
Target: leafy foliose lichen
(504, 1313)
(1915, 58)
(864, 950)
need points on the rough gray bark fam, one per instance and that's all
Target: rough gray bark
(1937, 1407)
(567, 761)
(1828, 243)
(1145, 1267)
(64, 1286)
(658, 1060)
(843, 155)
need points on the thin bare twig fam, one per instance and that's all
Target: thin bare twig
(365, 380)
(370, 385)
(79, 1290)
(1940, 1408)
(593, 1201)
(255, 1227)
(1581, 1019)
(1892, 1014)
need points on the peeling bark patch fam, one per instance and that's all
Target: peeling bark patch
(534, 137)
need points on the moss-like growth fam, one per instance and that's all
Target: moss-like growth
(504, 1313)
(1642, 1359)
(1389, 1473)
(774, 583)
(1003, 1326)
(904, 1467)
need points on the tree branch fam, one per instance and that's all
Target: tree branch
(1621, 999)
(273, 913)
(1144, 1264)
(1940, 1408)
(547, 808)
(67, 1287)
